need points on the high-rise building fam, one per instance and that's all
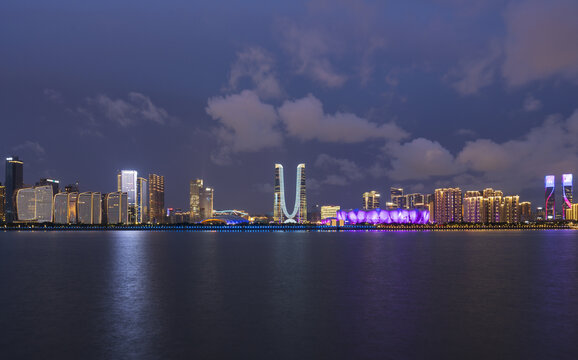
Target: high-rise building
(206, 204)
(61, 208)
(566, 193)
(195, 194)
(34, 204)
(511, 209)
(2, 203)
(54, 183)
(142, 199)
(414, 200)
(475, 209)
(117, 208)
(393, 192)
(550, 197)
(156, 198)
(127, 183)
(448, 205)
(14, 181)
(329, 211)
(525, 211)
(72, 188)
(572, 213)
(472, 193)
(280, 213)
(370, 200)
(89, 208)
(495, 209)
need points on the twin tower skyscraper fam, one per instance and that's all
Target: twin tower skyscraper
(299, 213)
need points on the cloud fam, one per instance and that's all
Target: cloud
(420, 159)
(310, 51)
(258, 65)
(53, 95)
(471, 76)
(532, 104)
(245, 122)
(305, 119)
(136, 109)
(343, 171)
(541, 41)
(466, 132)
(32, 148)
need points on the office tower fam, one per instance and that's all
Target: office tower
(550, 197)
(34, 204)
(511, 209)
(61, 213)
(14, 181)
(566, 193)
(142, 200)
(329, 211)
(414, 200)
(475, 209)
(127, 183)
(2, 203)
(89, 208)
(54, 183)
(195, 194)
(206, 203)
(370, 200)
(156, 198)
(448, 205)
(44, 203)
(280, 213)
(117, 208)
(72, 188)
(525, 211)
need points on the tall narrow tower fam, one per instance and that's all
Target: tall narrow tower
(550, 197)
(14, 181)
(566, 193)
(280, 213)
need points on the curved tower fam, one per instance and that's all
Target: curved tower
(550, 197)
(566, 193)
(280, 213)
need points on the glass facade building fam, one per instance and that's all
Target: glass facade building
(2, 203)
(117, 208)
(89, 208)
(156, 198)
(127, 183)
(566, 193)
(280, 213)
(14, 181)
(550, 197)
(142, 200)
(370, 200)
(26, 204)
(195, 194)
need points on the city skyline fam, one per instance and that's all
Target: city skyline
(456, 94)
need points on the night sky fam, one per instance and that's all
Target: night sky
(369, 94)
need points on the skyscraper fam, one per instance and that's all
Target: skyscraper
(2, 203)
(474, 209)
(525, 211)
(511, 209)
(414, 200)
(14, 181)
(116, 204)
(397, 197)
(370, 200)
(54, 183)
(566, 193)
(127, 183)
(142, 200)
(280, 213)
(550, 197)
(156, 198)
(195, 193)
(448, 205)
(206, 203)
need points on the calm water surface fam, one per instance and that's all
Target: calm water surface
(171, 295)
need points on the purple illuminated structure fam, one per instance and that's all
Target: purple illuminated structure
(378, 216)
(550, 197)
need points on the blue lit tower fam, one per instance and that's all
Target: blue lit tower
(550, 197)
(280, 213)
(566, 193)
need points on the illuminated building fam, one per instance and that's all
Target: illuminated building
(142, 200)
(206, 203)
(475, 209)
(370, 200)
(35, 204)
(550, 197)
(329, 211)
(72, 188)
(525, 211)
(448, 205)
(572, 213)
(61, 213)
(495, 209)
(195, 194)
(540, 214)
(511, 209)
(14, 181)
(54, 183)
(117, 208)
(566, 193)
(127, 183)
(472, 193)
(280, 213)
(2, 203)
(380, 216)
(394, 192)
(89, 208)
(156, 198)
(414, 200)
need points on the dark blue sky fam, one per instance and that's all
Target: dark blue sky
(371, 94)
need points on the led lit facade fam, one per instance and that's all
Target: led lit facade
(475, 209)
(14, 181)
(511, 209)
(280, 213)
(329, 211)
(195, 193)
(448, 205)
(2, 203)
(550, 197)
(572, 213)
(156, 198)
(379, 216)
(61, 213)
(206, 203)
(127, 183)
(370, 200)
(89, 208)
(525, 211)
(414, 200)
(26, 204)
(116, 204)
(566, 193)
(142, 199)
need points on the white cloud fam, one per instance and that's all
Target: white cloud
(32, 148)
(471, 76)
(258, 65)
(53, 95)
(341, 171)
(305, 119)
(245, 123)
(532, 104)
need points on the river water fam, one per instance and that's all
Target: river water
(348, 295)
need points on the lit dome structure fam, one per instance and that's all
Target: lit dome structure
(226, 220)
(379, 216)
